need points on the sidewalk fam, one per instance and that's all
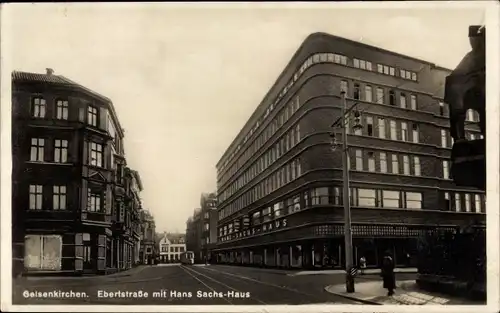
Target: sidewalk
(366, 271)
(407, 293)
(297, 272)
(73, 279)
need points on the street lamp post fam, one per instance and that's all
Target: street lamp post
(349, 264)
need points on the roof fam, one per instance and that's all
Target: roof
(60, 80)
(269, 96)
(19, 76)
(354, 42)
(174, 239)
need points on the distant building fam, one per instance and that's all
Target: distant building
(171, 246)
(201, 229)
(194, 235)
(147, 252)
(68, 190)
(209, 219)
(128, 216)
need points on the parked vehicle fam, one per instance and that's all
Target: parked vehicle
(187, 258)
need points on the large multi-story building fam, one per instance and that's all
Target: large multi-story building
(280, 184)
(201, 229)
(68, 157)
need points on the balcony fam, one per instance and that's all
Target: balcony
(96, 217)
(120, 191)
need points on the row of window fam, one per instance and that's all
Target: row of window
(95, 201)
(315, 59)
(165, 248)
(326, 196)
(359, 197)
(367, 162)
(37, 152)
(284, 115)
(399, 98)
(389, 70)
(39, 110)
(399, 130)
(287, 173)
(59, 199)
(464, 202)
(283, 145)
(367, 94)
(386, 129)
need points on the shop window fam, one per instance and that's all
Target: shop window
(43, 252)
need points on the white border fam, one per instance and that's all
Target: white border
(492, 207)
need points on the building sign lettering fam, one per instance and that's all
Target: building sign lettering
(266, 227)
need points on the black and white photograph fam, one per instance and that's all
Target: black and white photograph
(250, 156)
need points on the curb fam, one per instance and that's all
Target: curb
(305, 273)
(352, 298)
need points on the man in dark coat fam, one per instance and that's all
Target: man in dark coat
(387, 273)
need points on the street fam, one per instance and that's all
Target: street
(178, 284)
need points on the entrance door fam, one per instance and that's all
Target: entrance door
(87, 253)
(87, 256)
(108, 252)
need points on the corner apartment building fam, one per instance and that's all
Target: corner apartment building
(280, 184)
(68, 157)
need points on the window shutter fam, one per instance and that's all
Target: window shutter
(78, 252)
(81, 114)
(101, 252)
(51, 254)
(72, 104)
(103, 119)
(33, 252)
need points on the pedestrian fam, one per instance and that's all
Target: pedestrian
(387, 273)
(362, 265)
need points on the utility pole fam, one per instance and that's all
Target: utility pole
(349, 264)
(347, 205)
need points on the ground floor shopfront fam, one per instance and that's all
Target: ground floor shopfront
(323, 253)
(91, 250)
(314, 238)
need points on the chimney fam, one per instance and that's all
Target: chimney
(49, 71)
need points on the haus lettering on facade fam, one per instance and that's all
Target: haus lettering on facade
(268, 227)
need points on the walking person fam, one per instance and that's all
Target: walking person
(387, 273)
(362, 265)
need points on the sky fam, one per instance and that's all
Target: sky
(185, 80)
